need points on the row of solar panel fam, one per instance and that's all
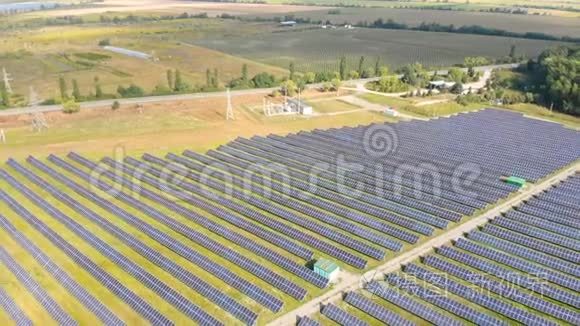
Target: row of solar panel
(246, 211)
(520, 281)
(129, 297)
(392, 178)
(237, 180)
(387, 199)
(84, 297)
(305, 164)
(346, 143)
(282, 213)
(178, 271)
(163, 290)
(217, 248)
(430, 138)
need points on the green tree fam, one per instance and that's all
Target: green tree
(76, 91)
(415, 74)
(288, 87)
(336, 84)
(309, 77)
(361, 64)
(292, 71)
(170, 79)
(98, 90)
(264, 80)
(456, 75)
(62, 88)
(383, 71)
(215, 78)
(353, 74)
(378, 67)
(342, 68)
(513, 51)
(70, 106)
(391, 84)
(245, 72)
(4, 96)
(178, 84)
(208, 81)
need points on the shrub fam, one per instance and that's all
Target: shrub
(116, 105)
(70, 106)
(131, 91)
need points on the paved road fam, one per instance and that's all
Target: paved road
(351, 283)
(181, 97)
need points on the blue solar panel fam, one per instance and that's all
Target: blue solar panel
(341, 317)
(411, 305)
(13, 310)
(285, 213)
(129, 297)
(503, 290)
(53, 308)
(217, 248)
(376, 310)
(138, 272)
(281, 227)
(520, 264)
(530, 242)
(323, 189)
(84, 297)
(497, 305)
(239, 179)
(443, 301)
(305, 321)
(522, 251)
(531, 282)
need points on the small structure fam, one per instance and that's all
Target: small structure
(513, 180)
(391, 112)
(129, 53)
(288, 23)
(441, 84)
(326, 268)
(297, 105)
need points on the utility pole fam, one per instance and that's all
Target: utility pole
(7, 80)
(230, 109)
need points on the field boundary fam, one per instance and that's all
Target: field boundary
(351, 283)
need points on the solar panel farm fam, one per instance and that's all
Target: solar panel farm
(232, 236)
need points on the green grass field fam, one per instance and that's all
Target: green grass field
(320, 49)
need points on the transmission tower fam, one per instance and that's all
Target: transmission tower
(230, 109)
(33, 100)
(7, 80)
(38, 120)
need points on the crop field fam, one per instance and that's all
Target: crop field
(38, 58)
(520, 268)
(551, 25)
(190, 237)
(320, 49)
